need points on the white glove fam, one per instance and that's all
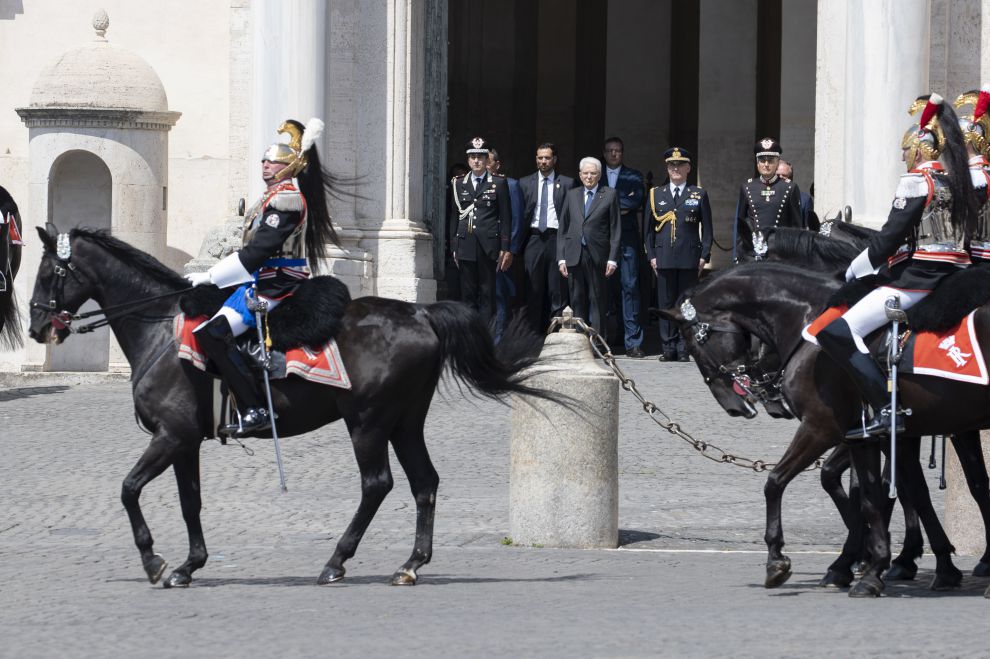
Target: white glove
(199, 278)
(849, 274)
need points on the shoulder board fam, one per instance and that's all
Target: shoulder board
(978, 177)
(912, 185)
(286, 201)
(498, 175)
(694, 187)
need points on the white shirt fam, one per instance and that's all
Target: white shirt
(677, 189)
(551, 209)
(613, 175)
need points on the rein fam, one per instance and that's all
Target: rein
(63, 319)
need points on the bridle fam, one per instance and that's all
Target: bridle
(757, 385)
(62, 319)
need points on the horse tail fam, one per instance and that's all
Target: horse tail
(10, 320)
(468, 350)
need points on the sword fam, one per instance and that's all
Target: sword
(894, 313)
(260, 308)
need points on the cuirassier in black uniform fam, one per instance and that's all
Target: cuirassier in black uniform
(484, 225)
(765, 202)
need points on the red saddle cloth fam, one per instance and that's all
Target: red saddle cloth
(323, 367)
(954, 354)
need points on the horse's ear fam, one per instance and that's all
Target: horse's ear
(673, 315)
(47, 239)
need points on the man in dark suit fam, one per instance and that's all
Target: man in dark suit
(628, 184)
(481, 243)
(678, 244)
(588, 247)
(505, 285)
(785, 170)
(543, 203)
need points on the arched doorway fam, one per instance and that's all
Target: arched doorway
(80, 195)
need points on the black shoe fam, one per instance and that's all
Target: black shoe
(635, 353)
(668, 357)
(253, 421)
(876, 428)
(683, 357)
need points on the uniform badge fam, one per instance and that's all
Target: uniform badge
(766, 144)
(900, 203)
(273, 220)
(663, 203)
(477, 142)
(691, 202)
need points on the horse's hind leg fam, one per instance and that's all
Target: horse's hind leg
(840, 572)
(970, 454)
(155, 459)
(410, 448)
(371, 451)
(866, 462)
(905, 567)
(186, 467)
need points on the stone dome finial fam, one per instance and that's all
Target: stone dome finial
(100, 23)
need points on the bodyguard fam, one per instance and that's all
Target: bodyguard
(678, 242)
(481, 242)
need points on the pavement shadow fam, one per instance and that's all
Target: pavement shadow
(632, 536)
(27, 392)
(363, 580)
(918, 588)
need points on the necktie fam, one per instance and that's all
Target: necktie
(677, 194)
(544, 204)
(477, 182)
(587, 202)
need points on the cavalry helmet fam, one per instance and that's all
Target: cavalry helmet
(975, 126)
(294, 153)
(925, 139)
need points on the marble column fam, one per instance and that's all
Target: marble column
(872, 63)
(797, 89)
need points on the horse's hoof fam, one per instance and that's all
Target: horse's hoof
(155, 568)
(331, 575)
(898, 572)
(836, 579)
(982, 569)
(177, 580)
(868, 586)
(778, 572)
(404, 577)
(949, 581)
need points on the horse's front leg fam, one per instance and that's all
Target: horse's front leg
(808, 444)
(866, 462)
(186, 467)
(970, 453)
(155, 459)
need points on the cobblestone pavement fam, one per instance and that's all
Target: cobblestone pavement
(687, 580)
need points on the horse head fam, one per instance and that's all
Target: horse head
(720, 348)
(59, 290)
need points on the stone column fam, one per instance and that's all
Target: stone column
(727, 118)
(797, 89)
(872, 63)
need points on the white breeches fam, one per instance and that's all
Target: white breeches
(868, 314)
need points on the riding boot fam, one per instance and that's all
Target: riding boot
(217, 340)
(837, 341)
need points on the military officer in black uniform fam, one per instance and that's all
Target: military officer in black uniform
(481, 242)
(764, 202)
(678, 242)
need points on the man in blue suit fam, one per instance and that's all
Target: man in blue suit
(678, 243)
(628, 185)
(505, 285)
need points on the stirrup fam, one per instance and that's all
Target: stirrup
(877, 428)
(254, 420)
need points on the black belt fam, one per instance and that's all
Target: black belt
(547, 232)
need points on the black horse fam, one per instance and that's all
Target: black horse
(395, 353)
(774, 302)
(10, 263)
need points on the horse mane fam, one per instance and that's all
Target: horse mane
(790, 243)
(855, 230)
(132, 256)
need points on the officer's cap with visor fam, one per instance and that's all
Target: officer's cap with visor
(293, 153)
(975, 126)
(677, 154)
(477, 145)
(767, 147)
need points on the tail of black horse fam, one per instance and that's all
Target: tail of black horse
(467, 348)
(10, 320)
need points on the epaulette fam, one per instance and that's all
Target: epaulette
(498, 175)
(912, 185)
(286, 200)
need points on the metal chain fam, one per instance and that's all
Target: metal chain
(705, 449)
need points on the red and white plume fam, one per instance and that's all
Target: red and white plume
(933, 108)
(982, 102)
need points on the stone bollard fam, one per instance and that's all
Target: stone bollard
(564, 473)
